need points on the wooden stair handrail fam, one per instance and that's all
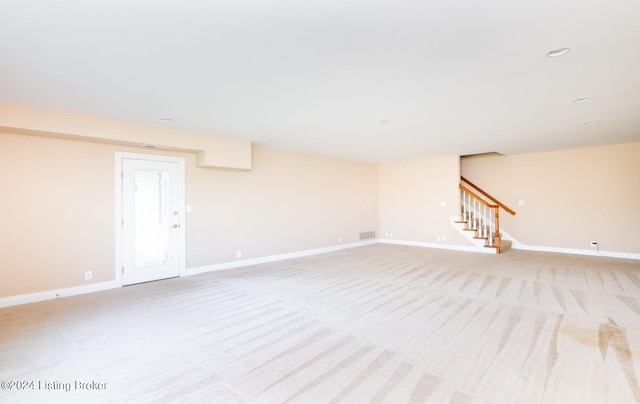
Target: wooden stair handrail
(482, 201)
(477, 188)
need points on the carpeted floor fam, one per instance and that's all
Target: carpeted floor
(381, 323)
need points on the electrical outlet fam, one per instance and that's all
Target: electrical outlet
(88, 275)
(594, 244)
(238, 254)
(339, 240)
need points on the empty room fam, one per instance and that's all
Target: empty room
(319, 202)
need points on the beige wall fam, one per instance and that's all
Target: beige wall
(58, 200)
(211, 151)
(288, 202)
(58, 204)
(571, 196)
(410, 196)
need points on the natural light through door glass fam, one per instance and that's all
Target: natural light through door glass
(152, 217)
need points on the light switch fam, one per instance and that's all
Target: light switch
(189, 208)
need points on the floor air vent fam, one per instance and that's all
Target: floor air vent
(367, 235)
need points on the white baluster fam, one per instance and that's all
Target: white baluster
(483, 233)
(475, 212)
(473, 221)
(468, 218)
(470, 213)
(487, 224)
(464, 206)
(484, 224)
(486, 216)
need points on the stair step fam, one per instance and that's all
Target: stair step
(460, 221)
(504, 245)
(470, 229)
(481, 238)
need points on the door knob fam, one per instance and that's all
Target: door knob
(175, 226)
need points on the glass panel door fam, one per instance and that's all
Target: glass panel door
(150, 220)
(152, 217)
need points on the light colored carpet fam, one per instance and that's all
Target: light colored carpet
(380, 323)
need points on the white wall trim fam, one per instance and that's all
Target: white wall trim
(480, 250)
(117, 283)
(273, 258)
(611, 254)
(516, 245)
(57, 293)
(97, 287)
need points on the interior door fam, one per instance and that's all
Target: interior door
(151, 211)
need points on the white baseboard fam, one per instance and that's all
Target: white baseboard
(611, 254)
(273, 258)
(481, 250)
(516, 245)
(57, 293)
(97, 287)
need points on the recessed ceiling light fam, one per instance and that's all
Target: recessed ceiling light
(558, 52)
(591, 123)
(166, 119)
(264, 137)
(580, 100)
(383, 120)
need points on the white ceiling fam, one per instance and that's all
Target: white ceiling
(450, 76)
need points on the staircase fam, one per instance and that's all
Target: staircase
(479, 218)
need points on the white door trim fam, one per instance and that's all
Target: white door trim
(120, 156)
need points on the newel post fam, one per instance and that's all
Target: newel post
(496, 236)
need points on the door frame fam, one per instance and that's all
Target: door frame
(120, 156)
